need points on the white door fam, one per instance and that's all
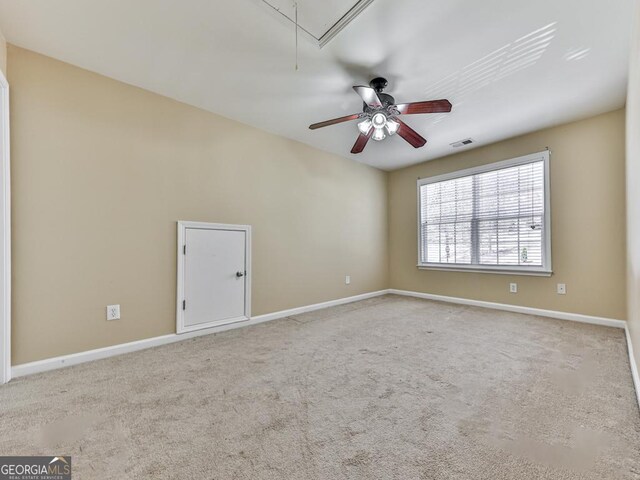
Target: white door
(215, 276)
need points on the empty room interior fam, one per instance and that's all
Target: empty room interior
(292, 239)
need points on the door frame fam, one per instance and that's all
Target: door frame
(5, 234)
(182, 236)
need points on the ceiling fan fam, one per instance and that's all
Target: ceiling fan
(380, 116)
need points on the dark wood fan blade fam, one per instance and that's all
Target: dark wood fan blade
(355, 116)
(361, 142)
(369, 96)
(432, 106)
(410, 135)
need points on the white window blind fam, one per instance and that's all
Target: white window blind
(493, 217)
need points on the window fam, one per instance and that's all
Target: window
(494, 217)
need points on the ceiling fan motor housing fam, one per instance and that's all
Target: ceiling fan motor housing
(379, 84)
(386, 100)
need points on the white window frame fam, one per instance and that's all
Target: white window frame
(545, 269)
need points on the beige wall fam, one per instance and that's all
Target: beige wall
(633, 188)
(101, 173)
(588, 222)
(3, 54)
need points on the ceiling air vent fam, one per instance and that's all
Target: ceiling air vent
(462, 143)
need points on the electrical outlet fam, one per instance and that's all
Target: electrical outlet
(513, 287)
(113, 312)
(347, 280)
(562, 289)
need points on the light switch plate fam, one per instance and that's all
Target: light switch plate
(113, 312)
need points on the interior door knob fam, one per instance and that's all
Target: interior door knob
(239, 274)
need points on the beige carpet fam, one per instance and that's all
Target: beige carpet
(388, 388)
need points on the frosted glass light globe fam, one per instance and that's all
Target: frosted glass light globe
(379, 120)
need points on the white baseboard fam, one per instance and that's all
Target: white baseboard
(634, 366)
(574, 317)
(319, 306)
(106, 352)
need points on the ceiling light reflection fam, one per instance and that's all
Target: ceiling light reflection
(574, 54)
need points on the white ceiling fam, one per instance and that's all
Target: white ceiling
(508, 66)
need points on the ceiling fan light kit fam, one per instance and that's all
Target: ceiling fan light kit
(379, 117)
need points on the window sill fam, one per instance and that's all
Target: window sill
(495, 270)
